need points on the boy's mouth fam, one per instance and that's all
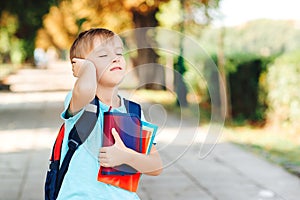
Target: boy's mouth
(115, 68)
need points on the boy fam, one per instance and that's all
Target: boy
(99, 65)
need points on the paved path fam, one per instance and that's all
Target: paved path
(29, 122)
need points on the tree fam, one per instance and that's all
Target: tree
(69, 17)
(283, 79)
(144, 16)
(259, 37)
(248, 49)
(28, 15)
(10, 50)
(66, 20)
(192, 17)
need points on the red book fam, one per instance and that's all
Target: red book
(128, 126)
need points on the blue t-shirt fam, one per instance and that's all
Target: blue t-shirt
(80, 182)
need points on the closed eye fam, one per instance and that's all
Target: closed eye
(102, 56)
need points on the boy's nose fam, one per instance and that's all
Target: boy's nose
(116, 59)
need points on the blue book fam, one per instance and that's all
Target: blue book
(148, 134)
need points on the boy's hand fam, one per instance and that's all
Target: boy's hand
(79, 64)
(114, 155)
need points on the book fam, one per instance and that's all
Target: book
(147, 138)
(129, 127)
(137, 135)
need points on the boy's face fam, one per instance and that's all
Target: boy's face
(109, 61)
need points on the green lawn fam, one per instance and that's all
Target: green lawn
(278, 147)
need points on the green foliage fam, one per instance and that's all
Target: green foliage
(193, 15)
(263, 37)
(246, 85)
(247, 96)
(259, 37)
(11, 48)
(196, 82)
(17, 53)
(248, 50)
(28, 16)
(4, 42)
(283, 80)
(170, 14)
(67, 18)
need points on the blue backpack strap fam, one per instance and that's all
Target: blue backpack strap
(78, 134)
(52, 173)
(132, 107)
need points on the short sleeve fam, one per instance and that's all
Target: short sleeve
(66, 106)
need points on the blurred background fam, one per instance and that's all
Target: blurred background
(254, 44)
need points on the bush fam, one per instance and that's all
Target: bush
(283, 80)
(246, 86)
(248, 93)
(244, 89)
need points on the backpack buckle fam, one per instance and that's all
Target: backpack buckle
(73, 144)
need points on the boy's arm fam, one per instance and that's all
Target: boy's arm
(147, 164)
(85, 86)
(119, 154)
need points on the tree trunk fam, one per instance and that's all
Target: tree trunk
(152, 75)
(180, 86)
(225, 106)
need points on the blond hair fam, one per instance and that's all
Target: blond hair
(84, 43)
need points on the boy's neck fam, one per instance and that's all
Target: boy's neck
(109, 96)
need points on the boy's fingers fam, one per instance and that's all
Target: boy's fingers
(75, 59)
(114, 131)
(103, 164)
(103, 150)
(102, 155)
(116, 136)
(103, 160)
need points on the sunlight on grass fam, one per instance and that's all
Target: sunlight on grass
(166, 98)
(277, 147)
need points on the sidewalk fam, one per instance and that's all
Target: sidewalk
(29, 122)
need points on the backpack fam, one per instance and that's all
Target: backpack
(77, 136)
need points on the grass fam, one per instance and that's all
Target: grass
(276, 145)
(165, 98)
